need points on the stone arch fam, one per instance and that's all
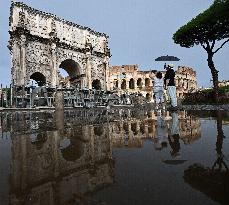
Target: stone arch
(150, 126)
(71, 67)
(98, 130)
(39, 140)
(134, 128)
(96, 84)
(139, 82)
(42, 52)
(115, 84)
(39, 78)
(147, 82)
(74, 150)
(123, 85)
(131, 83)
(142, 128)
(148, 96)
(126, 127)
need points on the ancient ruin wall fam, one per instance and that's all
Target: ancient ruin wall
(40, 42)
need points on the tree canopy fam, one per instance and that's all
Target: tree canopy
(210, 26)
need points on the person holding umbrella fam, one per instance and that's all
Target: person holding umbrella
(169, 79)
(169, 83)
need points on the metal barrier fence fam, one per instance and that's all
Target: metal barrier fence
(28, 97)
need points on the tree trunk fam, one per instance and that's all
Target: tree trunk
(214, 73)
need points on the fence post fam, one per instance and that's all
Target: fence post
(6, 97)
(11, 95)
(1, 105)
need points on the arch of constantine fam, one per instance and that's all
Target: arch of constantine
(41, 43)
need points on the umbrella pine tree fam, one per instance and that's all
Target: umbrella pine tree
(206, 29)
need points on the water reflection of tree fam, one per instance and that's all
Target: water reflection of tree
(212, 181)
(220, 161)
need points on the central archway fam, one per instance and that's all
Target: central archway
(69, 72)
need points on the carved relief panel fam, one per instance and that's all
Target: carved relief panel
(15, 71)
(98, 71)
(38, 59)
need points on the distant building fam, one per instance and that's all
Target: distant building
(128, 78)
(185, 80)
(223, 83)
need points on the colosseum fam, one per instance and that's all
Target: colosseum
(129, 79)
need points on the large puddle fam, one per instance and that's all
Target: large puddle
(122, 157)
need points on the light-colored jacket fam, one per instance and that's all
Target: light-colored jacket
(158, 84)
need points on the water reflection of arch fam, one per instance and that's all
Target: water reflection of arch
(151, 126)
(80, 166)
(74, 150)
(134, 128)
(126, 127)
(98, 130)
(38, 139)
(142, 127)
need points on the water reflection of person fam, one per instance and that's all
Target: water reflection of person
(173, 136)
(161, 140)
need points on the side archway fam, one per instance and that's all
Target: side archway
(96, 84)
(147, 82)
(123, 85)
(131, 83)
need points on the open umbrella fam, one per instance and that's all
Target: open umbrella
(167, 58)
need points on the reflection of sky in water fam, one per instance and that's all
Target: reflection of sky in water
(79, 158)
(33, 137)
(64, 143)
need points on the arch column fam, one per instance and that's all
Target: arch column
(88, 70)
(143, 82)
(54, 73)
(119, 83)
(127, 84)
(106, 67)
(135, 85)
(22, 75)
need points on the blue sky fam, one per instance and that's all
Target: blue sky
(139, 30)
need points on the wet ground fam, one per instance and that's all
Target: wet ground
(122, 157)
